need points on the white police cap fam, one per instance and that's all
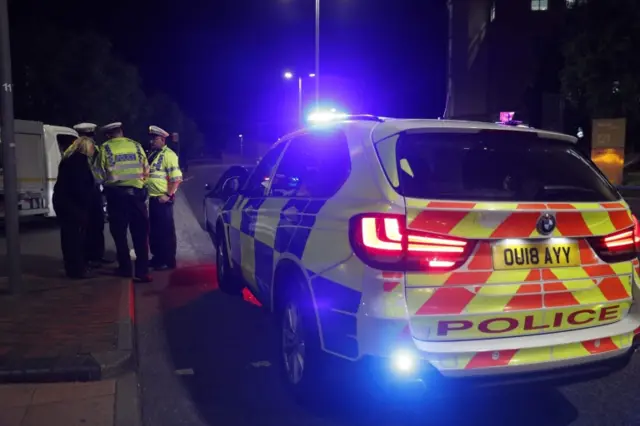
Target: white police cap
(85, 127)
(157, 131)
(112, 126)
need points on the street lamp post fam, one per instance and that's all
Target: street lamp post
(300, 99)
(317, 72)
(7, 137)
(288, 75)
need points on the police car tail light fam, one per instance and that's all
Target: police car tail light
(617, 247)
(382, 241)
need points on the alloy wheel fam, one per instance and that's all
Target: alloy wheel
(293, 345)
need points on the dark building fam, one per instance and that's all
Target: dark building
(504, 55)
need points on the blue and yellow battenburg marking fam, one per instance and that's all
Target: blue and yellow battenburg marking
(263, 230)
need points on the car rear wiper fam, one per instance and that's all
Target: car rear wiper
(569, 188)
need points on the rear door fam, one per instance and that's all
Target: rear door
(512, 235)
(244, 216)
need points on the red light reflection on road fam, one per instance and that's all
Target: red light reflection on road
(190, 283)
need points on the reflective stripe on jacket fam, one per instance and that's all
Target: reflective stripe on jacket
(123, 163)
(164, 168)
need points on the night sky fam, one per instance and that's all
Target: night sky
(222, 60)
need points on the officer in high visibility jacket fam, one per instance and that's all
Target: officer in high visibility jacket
(94, 243)
(164, 178)
(125, 168)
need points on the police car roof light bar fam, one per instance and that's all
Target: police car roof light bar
(364, 117)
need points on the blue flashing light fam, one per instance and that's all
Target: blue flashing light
(404, 362)
(326, 116)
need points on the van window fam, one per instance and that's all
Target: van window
(496, 166)
(65, 141)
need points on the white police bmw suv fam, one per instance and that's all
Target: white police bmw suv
(444, 249)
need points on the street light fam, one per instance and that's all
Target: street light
(288, 75)
(317, 72)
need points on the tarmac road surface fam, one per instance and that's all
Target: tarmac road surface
(208, 359)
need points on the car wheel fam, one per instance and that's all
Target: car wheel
(302, 362)
(226, 279)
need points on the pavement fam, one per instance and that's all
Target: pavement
(101, 403)
(66, 346)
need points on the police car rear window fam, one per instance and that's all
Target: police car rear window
(496, 166)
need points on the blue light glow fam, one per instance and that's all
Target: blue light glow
(404, 362)
(326, 116)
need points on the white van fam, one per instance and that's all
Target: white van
(39, 149)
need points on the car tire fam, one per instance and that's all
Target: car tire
(227, 281)
(301, 361)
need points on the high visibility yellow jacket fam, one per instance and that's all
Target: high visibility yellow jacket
(164, 168)
(123, 163)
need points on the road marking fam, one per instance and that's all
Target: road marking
(259, 364)
(185, 372)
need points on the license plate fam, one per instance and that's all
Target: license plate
(535, 255)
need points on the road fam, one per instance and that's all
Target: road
(207, 359)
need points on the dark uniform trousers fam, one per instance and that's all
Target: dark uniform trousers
(163, 233)
(127, 209)
(94, 242)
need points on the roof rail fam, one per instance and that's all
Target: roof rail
(513, 123)
(364, 117)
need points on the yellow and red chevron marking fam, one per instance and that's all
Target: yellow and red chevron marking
(502, 291)
(476, 293)
(461, 300)
(392, 281)
(394, 305)
(528, 356)
(513, 220)
(478, 270)
(636, 272)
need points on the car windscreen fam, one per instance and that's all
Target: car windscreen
(496, 166)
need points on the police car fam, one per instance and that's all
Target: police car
(455, 251)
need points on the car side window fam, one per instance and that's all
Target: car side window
(259, 179)
(315, 165)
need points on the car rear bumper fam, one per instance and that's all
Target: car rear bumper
(430, 377)
(502, 358)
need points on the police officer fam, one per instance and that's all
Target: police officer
(164, 178)
(125, 168)
(94, 243)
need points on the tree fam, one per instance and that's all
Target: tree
(601, 74)
(62, 77)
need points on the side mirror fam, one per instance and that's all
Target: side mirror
(231, 186)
